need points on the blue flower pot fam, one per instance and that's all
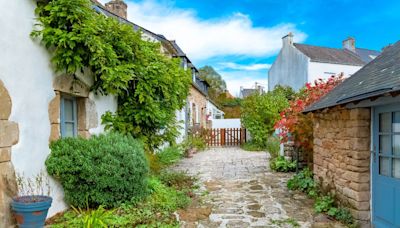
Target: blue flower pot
(31, 211)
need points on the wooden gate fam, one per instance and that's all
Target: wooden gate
(226, 136)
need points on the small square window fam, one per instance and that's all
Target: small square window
(68, 117)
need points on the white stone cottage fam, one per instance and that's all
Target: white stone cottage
(357, 141)
(298, 64)
(38, 106)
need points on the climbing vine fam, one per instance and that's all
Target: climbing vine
(150, 86)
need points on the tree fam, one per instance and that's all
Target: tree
(217, 84)
(260, 112)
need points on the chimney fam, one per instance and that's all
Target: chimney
(288, 39)
(349, 44)
(118, 7)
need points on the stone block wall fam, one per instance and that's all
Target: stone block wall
(9, 136)
(342, 157)
(200, 100)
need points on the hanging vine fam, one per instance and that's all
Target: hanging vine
(150, 87)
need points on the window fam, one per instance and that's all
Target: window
(68, 117)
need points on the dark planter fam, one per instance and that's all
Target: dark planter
(31, 211)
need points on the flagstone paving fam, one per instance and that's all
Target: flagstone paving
(239, 190)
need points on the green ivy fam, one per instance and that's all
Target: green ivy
(150, 86)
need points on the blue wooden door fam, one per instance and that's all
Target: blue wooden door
(386, 167)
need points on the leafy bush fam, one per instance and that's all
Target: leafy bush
(169, 155)
(280, 164)
(296, 126)
(259, 114)
(194, 141)
(343, 215)
(273, 146)
(304, 182)
(107, 170)
(324, 204)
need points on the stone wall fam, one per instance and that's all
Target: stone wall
(86, 108)
(200, 100)
(9, 135)
(342, 157)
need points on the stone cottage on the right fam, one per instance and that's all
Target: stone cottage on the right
(357, 141)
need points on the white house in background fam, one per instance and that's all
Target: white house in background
(247, 92)
(213, 112)
(298, 64)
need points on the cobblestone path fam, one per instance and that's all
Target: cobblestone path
(242, 192)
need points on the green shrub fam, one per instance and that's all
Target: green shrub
(259, 112)
(107, 170)
(194, 141)
(304, 182)
(344, 215)
(325, 204)
(280, 164)
(169, 155)
(251, 146)
(273, 146)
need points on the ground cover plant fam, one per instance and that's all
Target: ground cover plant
(324, 203)
(251, 146)
(281, 164)
(156, 210)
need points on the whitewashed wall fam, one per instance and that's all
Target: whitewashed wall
(290, 68)
(27, 74)
(226, 123)
(325, 70)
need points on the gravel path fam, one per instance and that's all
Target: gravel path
(242, 192)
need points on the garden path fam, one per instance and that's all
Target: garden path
(241, 191)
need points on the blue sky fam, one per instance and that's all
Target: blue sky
(241, 39)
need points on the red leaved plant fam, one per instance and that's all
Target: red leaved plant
(296, 126)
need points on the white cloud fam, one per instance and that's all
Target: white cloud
(249, 67)
(203, 39)
(236, 79)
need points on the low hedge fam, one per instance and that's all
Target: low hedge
(107, 170)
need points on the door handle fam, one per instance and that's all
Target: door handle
(373, 152)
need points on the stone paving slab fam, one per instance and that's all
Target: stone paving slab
(243, 192)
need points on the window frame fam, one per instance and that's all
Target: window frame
(63, 121)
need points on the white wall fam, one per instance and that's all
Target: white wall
(28, 76)
(325, 70)
(289, 68)
(226, 123)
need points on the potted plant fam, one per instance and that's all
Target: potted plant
(31, 205)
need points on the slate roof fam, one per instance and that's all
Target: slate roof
(337, 56)
(98, 7)
(377, 78)
(247, 92)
